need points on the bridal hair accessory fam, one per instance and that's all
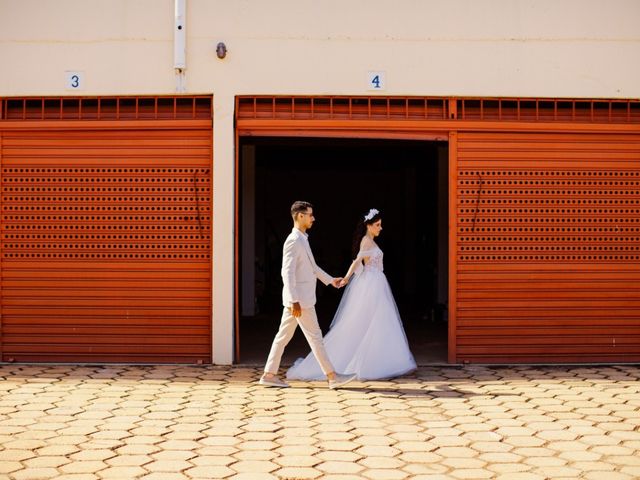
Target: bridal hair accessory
(372, 213)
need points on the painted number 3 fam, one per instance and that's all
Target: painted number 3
(74, 80)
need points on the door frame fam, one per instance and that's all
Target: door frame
(329, 130)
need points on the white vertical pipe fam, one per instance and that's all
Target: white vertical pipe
(180, 44)
(180, 35)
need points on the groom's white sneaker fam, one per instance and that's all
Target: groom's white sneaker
(273, 382)
(341, 379)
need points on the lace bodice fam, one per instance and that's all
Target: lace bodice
(375, 259)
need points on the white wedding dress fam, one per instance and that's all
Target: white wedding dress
(366, 336)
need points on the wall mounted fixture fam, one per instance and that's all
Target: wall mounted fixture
(221, 50)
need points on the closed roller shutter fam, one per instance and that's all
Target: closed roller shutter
(548, 247)
(106, 242)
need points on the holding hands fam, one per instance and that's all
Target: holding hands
(337, 282)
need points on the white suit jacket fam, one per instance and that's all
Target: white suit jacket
(300, 272)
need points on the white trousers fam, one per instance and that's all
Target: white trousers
(308, 322)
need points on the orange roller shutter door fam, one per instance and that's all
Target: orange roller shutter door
(106, 240)
(548, 247)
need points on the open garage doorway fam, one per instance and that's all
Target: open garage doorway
(343, 178)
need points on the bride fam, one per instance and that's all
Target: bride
(366, 336)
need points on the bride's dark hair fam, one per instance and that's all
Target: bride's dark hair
(361, 231)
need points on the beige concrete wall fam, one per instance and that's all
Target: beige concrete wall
(555, 48)
(529, 48)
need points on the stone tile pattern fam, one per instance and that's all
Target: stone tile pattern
(211, 422)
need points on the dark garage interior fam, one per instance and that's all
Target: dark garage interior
(343, 178)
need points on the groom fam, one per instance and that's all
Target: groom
(299, 274)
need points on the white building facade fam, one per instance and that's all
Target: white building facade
(494, 82)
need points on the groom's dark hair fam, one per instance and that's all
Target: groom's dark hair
(299, 207)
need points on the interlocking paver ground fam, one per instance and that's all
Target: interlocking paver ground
(209, 422)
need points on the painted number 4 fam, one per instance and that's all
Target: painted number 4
(376, 81)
